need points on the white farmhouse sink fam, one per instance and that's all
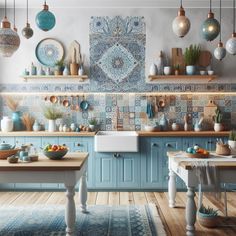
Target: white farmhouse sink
(116, 141)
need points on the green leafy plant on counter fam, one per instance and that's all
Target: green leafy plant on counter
(232, 135)
(208, 211)
(60, 64)
(51, 112)
(192, 54)
(93, 121)
(218, 116)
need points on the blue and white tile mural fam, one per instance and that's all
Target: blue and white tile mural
(117, 53)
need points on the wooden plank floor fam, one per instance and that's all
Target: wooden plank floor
(173, 218)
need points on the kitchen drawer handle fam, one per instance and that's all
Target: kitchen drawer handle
(168, 145)
(116, 155)
(210, 142)
(78, 144)
(154, 145)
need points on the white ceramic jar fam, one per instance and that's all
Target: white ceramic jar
(6, 124)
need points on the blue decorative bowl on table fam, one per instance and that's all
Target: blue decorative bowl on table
(55, 155)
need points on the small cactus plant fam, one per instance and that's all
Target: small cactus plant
(218, 116)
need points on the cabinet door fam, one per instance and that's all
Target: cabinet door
(105, 171)
(151, 163)
(128, 170)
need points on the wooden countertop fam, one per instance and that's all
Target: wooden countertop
(72, 161)
(47, 134)
(182, 134)
(140, 133)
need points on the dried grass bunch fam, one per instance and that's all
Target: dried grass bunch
(12, 103)
(28, 121)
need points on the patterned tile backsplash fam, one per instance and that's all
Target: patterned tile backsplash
(132, 109)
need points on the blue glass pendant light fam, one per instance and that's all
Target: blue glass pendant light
(210, 28)
(45, 20)
(231, 43)
(220, 51)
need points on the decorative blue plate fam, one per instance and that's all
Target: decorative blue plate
(49, 51)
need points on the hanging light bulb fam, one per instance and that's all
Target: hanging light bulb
(27, 32)
(45, 20)
(210, 28)
(220, 51)
(231, 43)
(9, 39)
(181, 23)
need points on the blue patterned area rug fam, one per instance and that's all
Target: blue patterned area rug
(100, 220)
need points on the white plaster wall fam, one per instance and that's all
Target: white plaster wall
(73, 24)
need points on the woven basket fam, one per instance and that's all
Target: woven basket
(197, 155)
(4, 154)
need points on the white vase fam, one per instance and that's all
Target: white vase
(92, 127)
(153, 69)
(6, 124)
(218, 127)
(167, 70)
(232, 145)
(51, 126)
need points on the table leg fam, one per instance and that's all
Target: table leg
(190, 212)
(172, 188)
(70, 213)
(83, 192)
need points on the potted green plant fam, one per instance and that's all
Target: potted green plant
(207, 217)
(92, 123)
(218, 117)
(59, 67)
(191, 56)
(232, 140)
(52, 113)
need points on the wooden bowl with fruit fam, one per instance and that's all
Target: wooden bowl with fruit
(55, 152)
(197, 152)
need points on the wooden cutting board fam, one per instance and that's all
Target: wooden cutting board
(74, 52)
(178, 59)
(209, 110)
(204, 59)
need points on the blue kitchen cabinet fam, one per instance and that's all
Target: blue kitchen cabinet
(105, 170)
(128, 167)
(151, 163)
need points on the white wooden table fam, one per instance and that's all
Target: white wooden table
(68, 171)
(182, 166)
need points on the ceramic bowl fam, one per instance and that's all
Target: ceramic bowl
(55, 155)
(150, 128)
(210, 72)
(203, 72)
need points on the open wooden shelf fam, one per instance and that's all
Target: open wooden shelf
(182, 77)
(55, 77)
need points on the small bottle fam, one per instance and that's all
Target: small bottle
(81, 70)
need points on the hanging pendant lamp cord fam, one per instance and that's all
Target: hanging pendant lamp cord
(181, 5)
(5, 8)
(234, 17)
(210, 5)
(27, 14)
(14, 12)
(220, 20)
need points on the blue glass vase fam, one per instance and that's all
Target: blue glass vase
(17, 122)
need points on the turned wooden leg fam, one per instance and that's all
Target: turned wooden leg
(190, 212)
(172, 188)
(70, 213)
(83, 192)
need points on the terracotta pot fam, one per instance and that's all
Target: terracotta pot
(74, 69)
(207, 220)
